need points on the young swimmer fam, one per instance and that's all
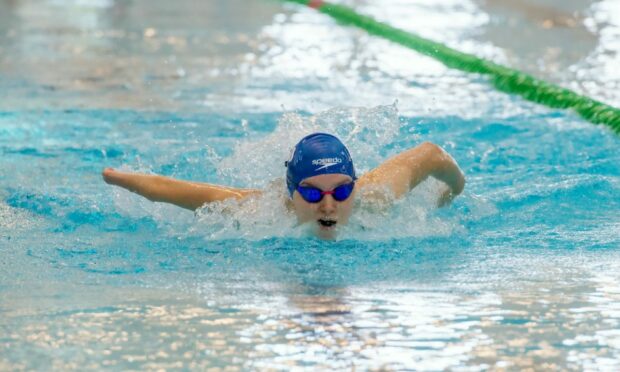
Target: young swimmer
(321, 182)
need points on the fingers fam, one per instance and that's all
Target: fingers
(108, 175)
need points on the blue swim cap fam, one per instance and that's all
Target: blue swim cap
(317, 153)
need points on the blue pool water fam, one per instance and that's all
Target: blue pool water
(521, 271)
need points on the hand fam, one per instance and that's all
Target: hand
(113, 177)
(445, 198)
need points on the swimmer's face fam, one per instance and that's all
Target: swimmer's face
(325, 216)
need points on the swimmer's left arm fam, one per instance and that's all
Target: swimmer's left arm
(404, 171)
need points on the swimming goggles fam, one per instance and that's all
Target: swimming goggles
(315, 195)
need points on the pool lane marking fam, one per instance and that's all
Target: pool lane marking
(503, 78)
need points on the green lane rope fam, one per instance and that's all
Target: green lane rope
(503, 78)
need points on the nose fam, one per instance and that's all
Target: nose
(327, 205)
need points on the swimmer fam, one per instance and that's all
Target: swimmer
(321, 181)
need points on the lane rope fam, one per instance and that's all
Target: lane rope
(503, 78)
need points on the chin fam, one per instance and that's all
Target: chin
(312, 228)
(326, 234)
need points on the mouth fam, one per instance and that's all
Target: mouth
(327, 223)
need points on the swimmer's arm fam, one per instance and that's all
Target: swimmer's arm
(186, 194)
(404, 171)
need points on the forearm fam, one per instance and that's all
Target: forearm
(447, 171)
(429, 159)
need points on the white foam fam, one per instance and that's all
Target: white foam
(257, 162)
(13, 220)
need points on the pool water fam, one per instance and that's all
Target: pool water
(521, 271)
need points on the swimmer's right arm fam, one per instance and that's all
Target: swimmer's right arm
(185, 194)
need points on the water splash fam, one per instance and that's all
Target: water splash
(254, 218)
(366, 131)
(258, 162)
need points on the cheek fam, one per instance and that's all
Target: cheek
(346, 208)
(303, 210)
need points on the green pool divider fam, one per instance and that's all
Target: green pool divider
(503, 78)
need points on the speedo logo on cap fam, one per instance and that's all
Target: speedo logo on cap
(325, 162)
